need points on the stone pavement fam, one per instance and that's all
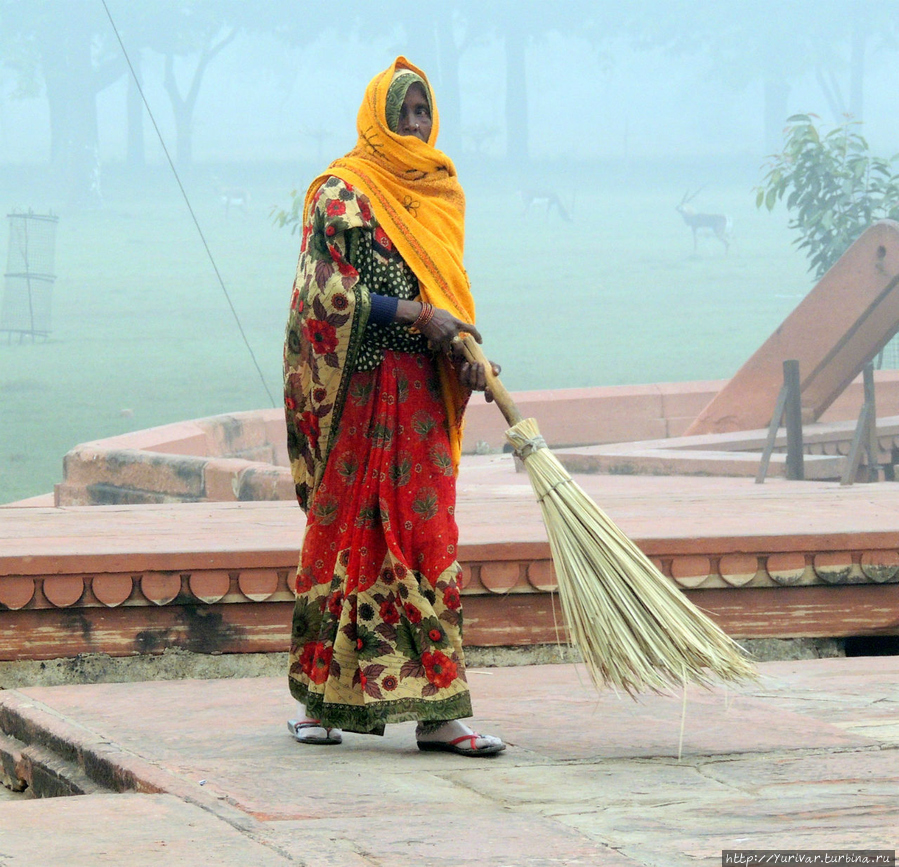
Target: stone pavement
(806, 758)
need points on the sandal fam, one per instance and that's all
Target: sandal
(311, 731)
(491, 748)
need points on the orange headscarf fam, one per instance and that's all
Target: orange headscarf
(418, 201)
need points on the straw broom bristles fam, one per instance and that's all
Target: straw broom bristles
(634, 628)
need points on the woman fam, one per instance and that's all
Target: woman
(374, 400)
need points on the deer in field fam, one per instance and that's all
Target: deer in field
(232, 197)
(719, 224)
(546, 198)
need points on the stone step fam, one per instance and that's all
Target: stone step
(38, 755)
(42, 772)
(48, 775)
(11, 776)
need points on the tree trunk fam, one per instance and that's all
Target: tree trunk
(68, 76)
(184, 149)
(135, 154)
(183, 106)
(182, 112)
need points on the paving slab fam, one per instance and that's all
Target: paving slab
(806, 757)
(119, 830)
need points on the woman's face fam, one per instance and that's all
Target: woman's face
(415, 114)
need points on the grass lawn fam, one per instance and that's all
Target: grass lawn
(142, 334)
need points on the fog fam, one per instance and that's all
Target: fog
(652, 79)
(616, 109)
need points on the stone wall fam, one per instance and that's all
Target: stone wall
(243, 456)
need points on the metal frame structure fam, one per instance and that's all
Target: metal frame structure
(29, 278)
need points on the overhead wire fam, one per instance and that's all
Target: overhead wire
(193, 215)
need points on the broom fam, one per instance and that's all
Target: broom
(634, 628)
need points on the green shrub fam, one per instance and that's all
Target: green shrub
(835, 189)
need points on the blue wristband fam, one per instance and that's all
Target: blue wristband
(383, 309)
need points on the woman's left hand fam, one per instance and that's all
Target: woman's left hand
(473, 375)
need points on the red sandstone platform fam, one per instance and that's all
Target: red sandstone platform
(784, 559)
(805, 759)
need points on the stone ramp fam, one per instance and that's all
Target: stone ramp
(805, 758)
(834, 331)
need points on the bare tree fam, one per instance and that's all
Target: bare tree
(184, 105)
(66, 52)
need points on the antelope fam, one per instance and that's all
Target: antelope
(235, 197)
(232, 197)
(544, 197)
(719, 224)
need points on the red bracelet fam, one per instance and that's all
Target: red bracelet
(424, 317)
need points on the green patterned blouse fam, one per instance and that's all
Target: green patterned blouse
(383, 271)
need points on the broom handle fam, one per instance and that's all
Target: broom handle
(503, 399)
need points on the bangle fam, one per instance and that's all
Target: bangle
(424, 317)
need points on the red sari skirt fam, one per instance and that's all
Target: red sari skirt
(377, 626)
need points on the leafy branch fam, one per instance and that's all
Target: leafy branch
(835, 189)
(291, 216)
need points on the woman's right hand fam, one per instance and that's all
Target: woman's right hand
(443, 329)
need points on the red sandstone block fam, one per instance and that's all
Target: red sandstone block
(233, 433)
(221, 478)
(483, 424)
(150, 439)
(160, 588)
(880, 566)
(624, 429)
(263, 454)
(112, 590)
(848, 404)
(513, 619)
(258, 585)
(130, 468)
(41, 501)
(738, 569)
(261, 482)
(63, 590)
(541, 575)
(573, 416)
(596, 415)
(16, 591)
(687, 399)
(11, 764)
(80, 465)
(502, 576)
(70, 495)
(670, 462)
(615, 418)
(276, 436)
(196, 446)
(691, 570)
(677, 426)
(210, 586)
